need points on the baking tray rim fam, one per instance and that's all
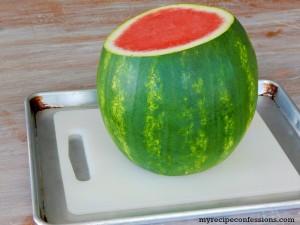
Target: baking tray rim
(209, 212)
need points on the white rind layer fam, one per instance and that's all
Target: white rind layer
(227, 21)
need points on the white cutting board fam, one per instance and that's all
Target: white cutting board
(257, 167)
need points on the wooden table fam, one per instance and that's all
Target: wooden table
(55, 45)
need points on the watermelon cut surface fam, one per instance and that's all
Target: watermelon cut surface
(177, 87)
(166, 29)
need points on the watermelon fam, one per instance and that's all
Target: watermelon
(177, 87)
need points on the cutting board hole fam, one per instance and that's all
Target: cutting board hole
(78, 158)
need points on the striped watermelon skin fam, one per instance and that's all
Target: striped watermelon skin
(183, 112)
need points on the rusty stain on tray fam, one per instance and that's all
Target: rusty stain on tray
(37, 104)
(270, 90)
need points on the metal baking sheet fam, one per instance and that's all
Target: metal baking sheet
(49, 204)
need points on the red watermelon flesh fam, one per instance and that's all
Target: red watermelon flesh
(168, 27)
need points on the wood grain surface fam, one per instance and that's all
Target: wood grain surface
(54, 45)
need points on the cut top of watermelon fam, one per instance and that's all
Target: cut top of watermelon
(168, 29)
